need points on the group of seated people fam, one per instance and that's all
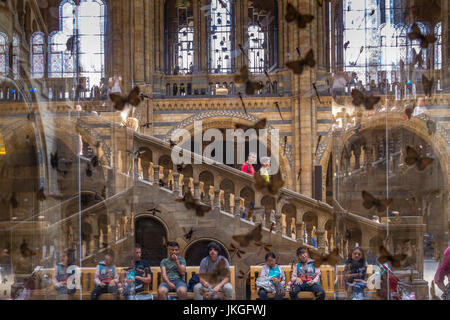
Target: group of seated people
(306, 277)
(173, 270)
(212, 282)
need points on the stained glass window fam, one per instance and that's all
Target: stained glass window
(256, 53)
(37, 55)
(179, 31)
(4, 54)
(15, 56)
(87, 51)
(220, 36)
(376, 46)
(185, 49)
(262, 36)
(438, 47)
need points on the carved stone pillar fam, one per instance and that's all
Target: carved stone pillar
(156, 174)
(196, 191)
(217, 198)
(320, 239)
(299, 226)
(176, 182)
(237, 206)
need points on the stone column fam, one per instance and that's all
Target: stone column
(138, 42)
(237, 205)
(176, 183)
(156, 174)
(196, 191)
(217, 198)
(320, 238)
(299, 231)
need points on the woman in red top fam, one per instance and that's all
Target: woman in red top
(247, 166)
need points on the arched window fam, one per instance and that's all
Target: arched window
(15, 56)
(4, 54)
(375, 39)
(220, 36)
(438, 47)
(179, 33)
(87, 51)
(185, 49)
(262, 36)
(37, 55)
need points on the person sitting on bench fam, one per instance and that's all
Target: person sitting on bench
(106, 278)
(62, 273)
(305, 277)
(275, 273)
(173, 270)
(214, 274)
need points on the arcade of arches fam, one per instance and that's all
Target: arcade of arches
(77, 173)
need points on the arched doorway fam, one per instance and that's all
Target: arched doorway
(152, 236)
(198, 250)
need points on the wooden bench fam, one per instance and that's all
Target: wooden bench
(88, 284)
(332, 285)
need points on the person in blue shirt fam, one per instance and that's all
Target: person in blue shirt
(276, 273)
(142, 275)
(63, 271)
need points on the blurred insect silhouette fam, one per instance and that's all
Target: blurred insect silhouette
(245, 239)
(25, 251)
(332, 258)
(88, 170)
(261, 124)
(279, 110)
(219, 272)
(154, 211)
(13, 201)
(416, 34)
(191, 203)
(242, 102)
(299, 173)
(413, 158)
(431, 126)
(272, 187)
(133, 98)
(427, 85)
(40, 194)
(367, 101)
(346, 45)
(266, 246)
(370, 201)
(94, 161)
(188, 234)
(236, 251)
(386, 256)
(293, 15)
(250, 86)
(298, 66)
(54, 160)
(417, 58)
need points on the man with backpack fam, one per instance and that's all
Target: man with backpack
(247, 167)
